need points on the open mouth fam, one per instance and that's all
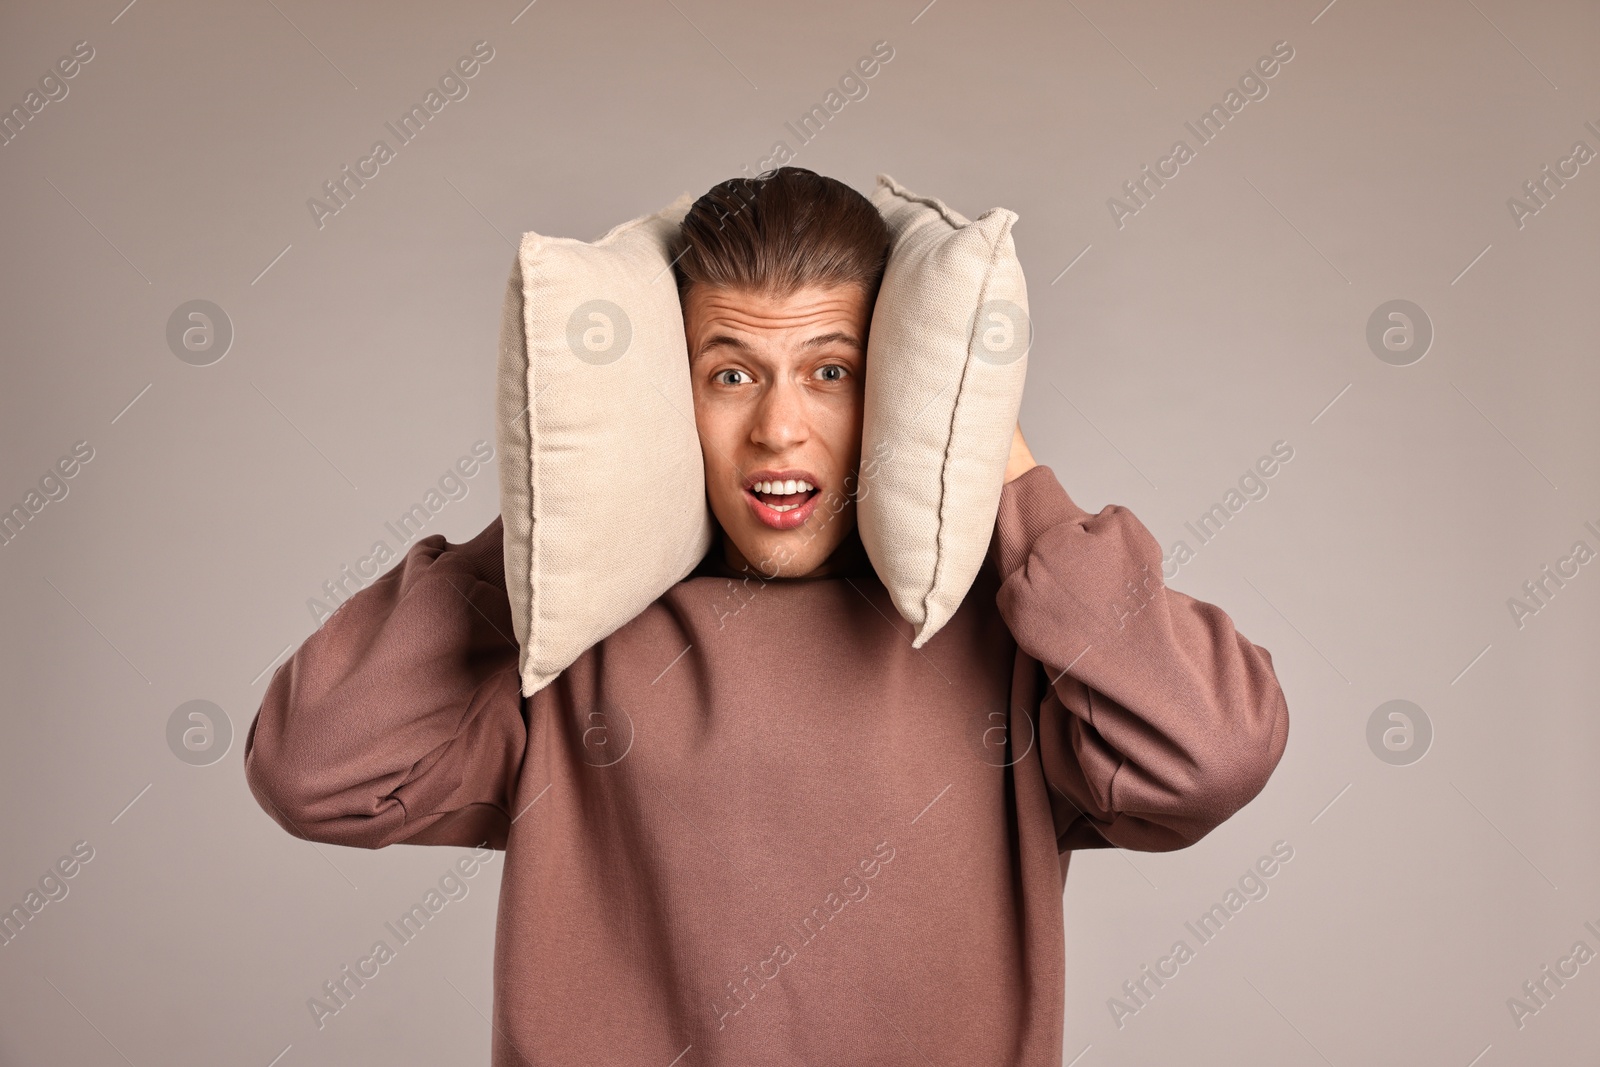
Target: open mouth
(784, 503)
(783, 500)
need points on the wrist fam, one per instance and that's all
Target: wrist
(1020, 460)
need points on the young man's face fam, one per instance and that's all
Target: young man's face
(778, 398)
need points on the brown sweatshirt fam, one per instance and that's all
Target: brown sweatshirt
(754, 825)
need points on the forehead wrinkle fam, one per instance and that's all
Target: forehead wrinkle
(722, 340)
(727, 312)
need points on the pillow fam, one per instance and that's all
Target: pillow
(947, 353)
(593, 397)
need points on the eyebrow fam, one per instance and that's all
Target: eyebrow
(721, 339)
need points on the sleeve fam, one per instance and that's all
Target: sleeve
(401, 719)
(1158, 719)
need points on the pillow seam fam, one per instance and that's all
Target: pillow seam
(534, 496)
(946, 213)
(941, 554)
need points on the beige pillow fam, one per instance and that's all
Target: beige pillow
(602, 486)
(946, 357)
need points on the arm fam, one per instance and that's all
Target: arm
(1162, 719)
(400, 720)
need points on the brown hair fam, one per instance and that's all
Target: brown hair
(780, 231)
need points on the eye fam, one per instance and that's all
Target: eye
(833, 366)
(718, 377)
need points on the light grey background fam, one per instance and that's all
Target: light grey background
(1229, 313)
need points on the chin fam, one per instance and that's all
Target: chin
(787, 554)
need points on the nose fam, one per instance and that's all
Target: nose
(781, 418)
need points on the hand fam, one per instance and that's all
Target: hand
(1021, 460)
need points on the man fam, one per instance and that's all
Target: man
(754, 825)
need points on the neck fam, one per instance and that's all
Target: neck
(725, 560)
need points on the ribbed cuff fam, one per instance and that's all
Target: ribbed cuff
(1030, 504)
(484, 554)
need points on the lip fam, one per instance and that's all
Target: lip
(781, 520)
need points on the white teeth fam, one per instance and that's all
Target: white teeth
(784, 488)
(783, 507)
